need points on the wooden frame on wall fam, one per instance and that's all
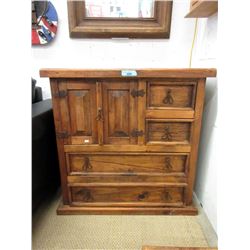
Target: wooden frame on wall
(81, 26)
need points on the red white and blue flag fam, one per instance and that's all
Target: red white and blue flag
(46, 28)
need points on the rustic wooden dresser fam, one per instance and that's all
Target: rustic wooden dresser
(127, 140)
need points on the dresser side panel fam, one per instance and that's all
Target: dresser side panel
(60, 141)
(195, 138)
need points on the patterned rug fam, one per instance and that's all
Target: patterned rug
(51, 231)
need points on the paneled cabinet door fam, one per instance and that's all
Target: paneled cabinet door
(78, 112)
(120, 111)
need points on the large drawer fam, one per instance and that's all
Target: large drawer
(127, 164)
(126, 196)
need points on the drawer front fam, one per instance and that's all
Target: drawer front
(125, 194)
(171, 94)
(127, 164)
(168, 132)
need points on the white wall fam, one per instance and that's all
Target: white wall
(152, 53)
(107, 53)
(206, 182)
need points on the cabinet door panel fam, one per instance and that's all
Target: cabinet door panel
(80, 102)
(119, 112)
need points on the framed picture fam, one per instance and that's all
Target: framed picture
(119, 18)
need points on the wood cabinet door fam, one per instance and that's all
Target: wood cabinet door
(119, 112)
(78, 112)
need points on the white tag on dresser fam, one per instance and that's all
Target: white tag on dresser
(128, 72)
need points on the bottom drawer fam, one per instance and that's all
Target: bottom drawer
(126, 196)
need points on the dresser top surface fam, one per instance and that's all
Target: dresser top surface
(136, 73)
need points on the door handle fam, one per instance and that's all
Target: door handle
(167, 135)
(168, 99)
(99, 115)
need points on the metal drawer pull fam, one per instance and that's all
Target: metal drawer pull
(85, 194)
(137, 93)
(137, 133)
(168, 99)
(87, 165)
(167, 196)
(99, 115)
(167, 135)
(168, 165)
(142, 196)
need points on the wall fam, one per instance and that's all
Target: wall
(204, 55)
(152, 53)
(115, 53)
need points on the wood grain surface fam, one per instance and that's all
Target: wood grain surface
(128, 145)
(116, 73)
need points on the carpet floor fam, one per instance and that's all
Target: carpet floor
(50, 231)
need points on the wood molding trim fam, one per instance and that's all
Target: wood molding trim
(81, 26)
(116, 73)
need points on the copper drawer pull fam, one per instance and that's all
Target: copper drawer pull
(168, 99)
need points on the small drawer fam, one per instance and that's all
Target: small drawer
(126, 164)
(167, 94)
(126, 195)
(168, 131)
